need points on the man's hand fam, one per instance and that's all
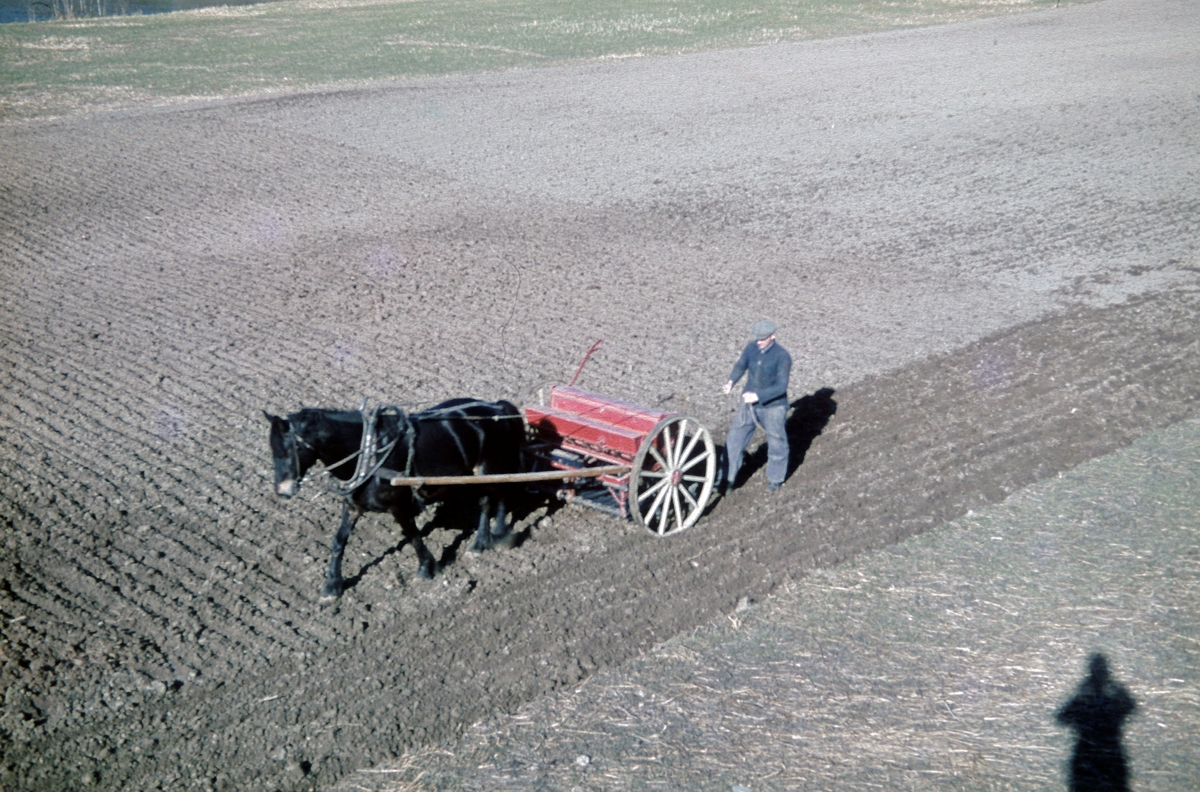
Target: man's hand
(749, 397)
(728, 387)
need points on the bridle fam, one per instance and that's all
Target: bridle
(370, 457)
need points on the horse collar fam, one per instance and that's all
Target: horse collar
(370, 456)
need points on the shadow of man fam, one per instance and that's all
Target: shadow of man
(1096, 713)
(808, 418)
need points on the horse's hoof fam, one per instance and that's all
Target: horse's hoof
(330, 595)
(425, 573)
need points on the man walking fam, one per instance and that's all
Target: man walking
(767, 367)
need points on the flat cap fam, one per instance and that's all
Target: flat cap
(763, 328)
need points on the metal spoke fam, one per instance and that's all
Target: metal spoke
(688, 495)
(683, 459)
(668, 449)
(680, 439)
(658, 501)
(666, 513)
(662, 462)
(651, 490)
(695, 439)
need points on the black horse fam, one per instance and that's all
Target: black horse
(362, 451)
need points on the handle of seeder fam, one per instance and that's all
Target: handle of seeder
(579, 370)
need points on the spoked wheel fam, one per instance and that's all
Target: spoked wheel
(672, 477)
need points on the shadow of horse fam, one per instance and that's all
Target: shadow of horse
(451, 514)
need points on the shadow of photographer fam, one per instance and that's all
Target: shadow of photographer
(1096, 713)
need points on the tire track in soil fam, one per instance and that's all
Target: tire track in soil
(904, 451)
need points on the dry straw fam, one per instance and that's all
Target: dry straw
(937, 664)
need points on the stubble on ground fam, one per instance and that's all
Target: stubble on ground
(934, 664)
(984, 258)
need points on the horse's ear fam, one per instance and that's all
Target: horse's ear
(273, 419)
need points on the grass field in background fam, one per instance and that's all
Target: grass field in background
(57, 68)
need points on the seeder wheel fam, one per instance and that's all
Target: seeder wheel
(673, 476)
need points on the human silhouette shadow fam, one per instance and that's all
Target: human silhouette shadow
(1096, 713)
(807, 418)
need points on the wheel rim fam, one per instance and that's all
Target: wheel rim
(673, 476)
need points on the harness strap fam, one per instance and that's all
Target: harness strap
(370, 456)
(410, 429)
(447, 413)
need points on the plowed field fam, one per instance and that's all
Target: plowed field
(979, 242)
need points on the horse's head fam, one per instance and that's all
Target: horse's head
(293, 457)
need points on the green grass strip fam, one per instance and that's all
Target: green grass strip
(57, 68)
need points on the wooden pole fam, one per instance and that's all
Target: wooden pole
(510, 478)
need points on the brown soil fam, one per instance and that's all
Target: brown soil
(954, 246)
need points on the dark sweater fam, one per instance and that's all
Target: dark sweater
(768, 372)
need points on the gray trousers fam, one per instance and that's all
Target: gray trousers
(772, 419)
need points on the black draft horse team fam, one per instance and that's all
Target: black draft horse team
(363, 450)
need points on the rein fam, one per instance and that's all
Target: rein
(370, 456)
(443, 413)
(440, 413)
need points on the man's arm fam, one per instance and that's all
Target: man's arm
(739, 368)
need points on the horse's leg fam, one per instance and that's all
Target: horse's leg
(500, 521)
(483, 533)
(426, 564)
(333, 579)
